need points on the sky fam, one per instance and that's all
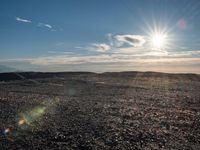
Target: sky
(100, 35)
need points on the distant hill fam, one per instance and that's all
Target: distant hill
(149, 74)
(8, 76)
(131, 74)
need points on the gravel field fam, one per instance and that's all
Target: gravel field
(127, 110)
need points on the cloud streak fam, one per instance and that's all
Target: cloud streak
(60, 52)
(40, 24)
(145, 60)
(22, 20)
(44, 25)
(65, 58)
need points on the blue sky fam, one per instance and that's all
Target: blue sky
(103, 35)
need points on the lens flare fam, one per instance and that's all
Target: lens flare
(31, 116)
(21, 122)
(6, 131)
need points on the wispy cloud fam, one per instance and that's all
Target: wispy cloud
(137, 60)
(44, 25)
(60, 52)
(132, 40)
(62, 58)
(102, 47)
(116, 43)
(79, 47)
(22, 20)
(110, 39)
(40, 24)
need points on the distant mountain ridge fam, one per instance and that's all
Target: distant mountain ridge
(131, 74)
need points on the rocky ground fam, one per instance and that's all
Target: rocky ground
(128, 110)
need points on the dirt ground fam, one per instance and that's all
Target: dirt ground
(128, 110)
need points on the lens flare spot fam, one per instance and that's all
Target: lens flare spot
(21, 122)
(32, 115)
(182, 24)
(6, 131)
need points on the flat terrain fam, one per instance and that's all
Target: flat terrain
(127, 110)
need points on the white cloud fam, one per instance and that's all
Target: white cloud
(118, 58)
(40, 24)
(110, 39)
(132, 40)
(115, 43)
(23, 20)
(102, 47)
(45, 25)
(115, 58)
(79, 47)
(60, 52)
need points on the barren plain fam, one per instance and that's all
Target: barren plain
(83, 110)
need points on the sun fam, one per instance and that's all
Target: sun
(159, 37)
(158, 40)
